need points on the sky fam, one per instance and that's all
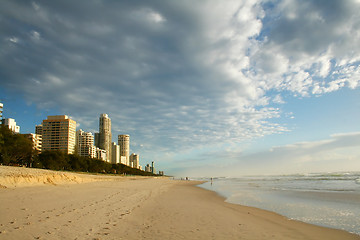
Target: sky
(203, 88)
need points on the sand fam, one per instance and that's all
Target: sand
(23, 177)
(135, 208)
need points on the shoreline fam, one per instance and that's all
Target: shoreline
(275, 213)
(332, 209)
(141, 208)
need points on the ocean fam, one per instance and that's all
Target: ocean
(324, 199)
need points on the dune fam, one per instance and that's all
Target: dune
(11, 177)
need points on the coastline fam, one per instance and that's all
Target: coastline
(324, 199)
(141, 208)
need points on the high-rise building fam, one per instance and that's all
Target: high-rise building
(101, 154)
(147, 168)
(59, 133)
(105, 135)
(85, 144)
(36, 140)
(1, 111)
(122, 159)
(97, 139)
(153, 167)
(115, 153)
(134, 160)
(38, 129)
(124, 143)
(11, 124)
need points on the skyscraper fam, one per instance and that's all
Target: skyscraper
(59, 133)
(153, 167)
(124, 143)
(105, 135)
(38, 129)
(85, 144)
(134, 160)
(1, 111)
(115, 153)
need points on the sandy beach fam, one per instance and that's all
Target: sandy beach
(41, 204)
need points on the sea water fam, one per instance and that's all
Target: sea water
(325, 199)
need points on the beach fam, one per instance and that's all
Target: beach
(325, 199)
(41, 204)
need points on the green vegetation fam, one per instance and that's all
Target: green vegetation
(15, 149)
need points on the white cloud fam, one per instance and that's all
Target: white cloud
(278, 99)
(149, 15)
(35, 35)
(156, 17)
(13, 39)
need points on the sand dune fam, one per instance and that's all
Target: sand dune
(11, 177)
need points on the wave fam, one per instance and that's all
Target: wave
(304, 177)
(357, 181)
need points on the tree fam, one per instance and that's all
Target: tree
(15, 148)
(54, 160)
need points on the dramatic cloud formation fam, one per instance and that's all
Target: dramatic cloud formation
(178, 75)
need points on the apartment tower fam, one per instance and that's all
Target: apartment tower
(11, 124)
(1, 111)
(124, 143)
(115, 153)
(36, 140)
(59, 133)
(134, 160)
(85, 144)
(38, 129)
(105, 135)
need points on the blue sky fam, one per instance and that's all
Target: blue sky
(204, 88)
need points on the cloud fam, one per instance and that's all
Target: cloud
(306, 45)
(333, 154)
(178, 73)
